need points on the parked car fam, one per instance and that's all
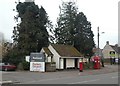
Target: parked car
(7, 67)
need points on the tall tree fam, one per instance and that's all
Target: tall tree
(30, 34)
(74, 29)
(84, 41)
(65, 25)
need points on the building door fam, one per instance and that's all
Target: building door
(64, 63)
(76, 63)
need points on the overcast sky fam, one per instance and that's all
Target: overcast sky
(102, 13)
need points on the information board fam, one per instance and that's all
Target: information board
(37, 66)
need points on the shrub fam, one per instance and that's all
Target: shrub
(26, 65)
(88, 65)
(20, 66)
(107, 61)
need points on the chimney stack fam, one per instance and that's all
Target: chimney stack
(107, 42)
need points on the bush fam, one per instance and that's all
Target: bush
(26, 65)
(88, 65)
(20, 66)
(107, 60)
(23, 66)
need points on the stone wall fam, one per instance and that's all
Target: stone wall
(50, 66)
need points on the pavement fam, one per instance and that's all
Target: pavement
(21, 76)
(102, 70)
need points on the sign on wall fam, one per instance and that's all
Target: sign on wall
(37, 66)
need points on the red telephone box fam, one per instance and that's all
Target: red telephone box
(96, 62)
(81, 66)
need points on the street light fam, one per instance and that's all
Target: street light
(98, 35)
(98, 40)
(99, 49)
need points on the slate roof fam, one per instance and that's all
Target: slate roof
(47, 51)
(116, 48)
(66, 50)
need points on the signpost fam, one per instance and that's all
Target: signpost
(37, 66)
(37, 62)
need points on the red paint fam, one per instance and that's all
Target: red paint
(81, 66)
(96, 62)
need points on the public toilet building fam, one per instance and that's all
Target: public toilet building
(65, 56)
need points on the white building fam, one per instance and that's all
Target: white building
(115, 49)
(65, 56)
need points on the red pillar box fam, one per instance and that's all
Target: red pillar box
(81, 66)
(96, 62)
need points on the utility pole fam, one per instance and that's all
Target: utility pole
(98, 40)
(102, 61)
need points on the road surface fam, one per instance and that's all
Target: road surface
(110, 78)
(107, 75)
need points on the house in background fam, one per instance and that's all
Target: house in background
(97, 51)
(65, 56)
(111, 51)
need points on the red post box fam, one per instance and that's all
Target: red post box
(96, 62)
(81, 66)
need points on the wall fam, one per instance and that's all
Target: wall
(70, 63)
(50, 67)
(107, 50)
(48, 58)
(56, 56)
(61, 64)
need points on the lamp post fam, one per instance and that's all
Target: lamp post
(98, 40)
(102, 61)
(98, 35)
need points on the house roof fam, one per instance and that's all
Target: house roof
(116, 48)
(97, 51)
(47, 51)
(66, 50)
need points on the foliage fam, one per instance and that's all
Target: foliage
(30, 34)
(26, 65)
(74, 29)
(23, 65)
(13, 57)
(20, 66)
(88, 65)
(84, 36)
(64, 32)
